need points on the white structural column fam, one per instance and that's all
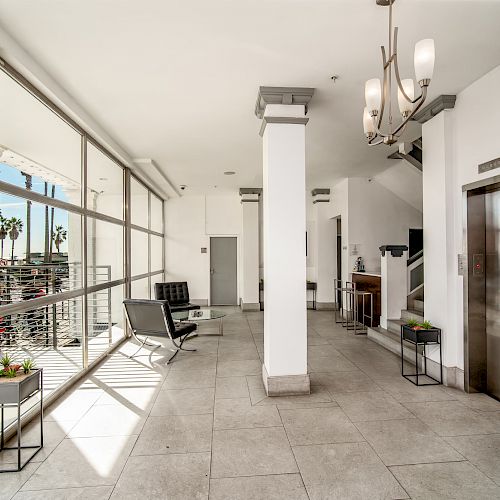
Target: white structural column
(283, 113)
(250, 249)
(441, 280)
(393, 284)
(325, 249)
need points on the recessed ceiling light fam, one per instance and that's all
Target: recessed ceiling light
(229, 172)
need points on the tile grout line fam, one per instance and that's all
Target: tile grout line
(213, 422)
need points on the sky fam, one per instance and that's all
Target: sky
(12, 206)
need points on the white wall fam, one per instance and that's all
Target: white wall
(377, 217)
(472, 139)
(371, 216)
(189, 222)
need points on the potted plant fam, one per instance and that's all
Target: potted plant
(420, 332)
(27, 365)
(5, 361)
(15, 228)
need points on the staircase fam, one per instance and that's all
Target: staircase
(390, 338)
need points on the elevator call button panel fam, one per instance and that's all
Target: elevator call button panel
(478, 264)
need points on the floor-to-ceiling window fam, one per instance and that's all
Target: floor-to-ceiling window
(78, 233)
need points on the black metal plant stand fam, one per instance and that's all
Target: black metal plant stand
(421, 337)
(13, 394)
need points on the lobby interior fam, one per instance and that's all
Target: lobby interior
(225, 166)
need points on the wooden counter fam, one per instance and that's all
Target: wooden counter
(369, 282)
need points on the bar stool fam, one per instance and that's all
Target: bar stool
(355, 324)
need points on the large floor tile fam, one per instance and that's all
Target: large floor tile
(319, 426)
(79, 462)
(482, 451)
(451, 418)
(457, 480)
(277, 487)
(172, 477)
(11, 482)
(90, 493)
(239, 368)
(136, 398)
(74, 405)
(476, 401)
(251, 452)
(175, 434)
(333, 363)
(184, 402)
(408, 441)
(186, 362)
(345, 471)
(375, 405)
(109, 420)
(405, 392)
(231, 387)
(190, 379)
(354, 381)
(240, 414)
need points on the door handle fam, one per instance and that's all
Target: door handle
(212, 270)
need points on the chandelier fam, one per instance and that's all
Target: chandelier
(378, 96)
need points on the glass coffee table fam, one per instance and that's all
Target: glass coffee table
(203, 314)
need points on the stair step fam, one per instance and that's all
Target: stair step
(394, 326)
(418, 305)
(391, 341)
(407, 314)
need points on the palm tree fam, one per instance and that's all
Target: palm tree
(4, 228)
(59, 236)
(15, 228)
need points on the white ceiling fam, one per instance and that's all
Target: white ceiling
(177, 80)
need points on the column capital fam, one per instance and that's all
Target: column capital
(320, 195)
(435, 107)
(250, 194)
(282, 95)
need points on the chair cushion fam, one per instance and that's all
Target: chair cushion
(176, 292)
(184, 328)
(183, 307)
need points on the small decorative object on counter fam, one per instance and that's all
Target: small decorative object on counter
(359, 265)
(421, 334)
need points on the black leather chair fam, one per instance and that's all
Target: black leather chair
(152, 318)
(177, 294)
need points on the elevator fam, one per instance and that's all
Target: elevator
(482, 365)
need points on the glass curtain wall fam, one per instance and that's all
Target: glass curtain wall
(78, 233)
(146, 215)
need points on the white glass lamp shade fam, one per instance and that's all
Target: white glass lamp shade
(404, 106)
(373, 95)
(424, 60)
(368, 126)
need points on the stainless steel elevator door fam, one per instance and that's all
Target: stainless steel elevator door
(492, 208)
(223, 271)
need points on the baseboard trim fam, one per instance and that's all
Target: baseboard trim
(200, 302)
(250, 306)
(286, 385)
(326, 306)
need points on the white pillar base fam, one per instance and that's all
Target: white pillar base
(286, 385)
(250, 306)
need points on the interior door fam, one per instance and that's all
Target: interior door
(223, 271)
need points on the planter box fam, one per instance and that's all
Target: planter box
(15, 390)
(430, 336)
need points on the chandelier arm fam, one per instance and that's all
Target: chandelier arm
(384, 88)
(400, 85)
(370, 143)
(410, 116)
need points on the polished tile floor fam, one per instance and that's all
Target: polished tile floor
(203, 427)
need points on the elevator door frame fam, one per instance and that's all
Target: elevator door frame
(480, 187)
